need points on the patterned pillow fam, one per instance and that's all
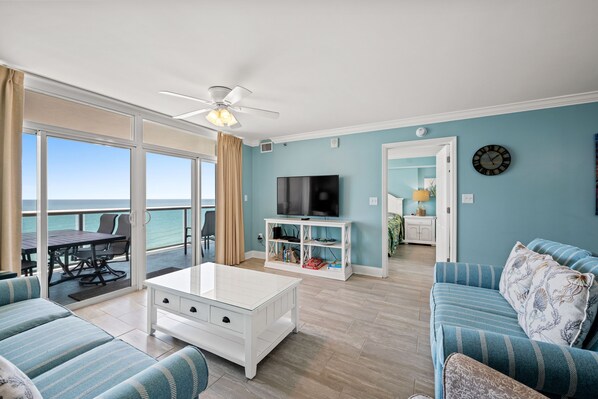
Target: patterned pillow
(561, 305)
(517, 275)
(14, 383)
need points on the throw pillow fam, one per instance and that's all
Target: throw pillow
(14, 383)
(561, 305)
(517, 275)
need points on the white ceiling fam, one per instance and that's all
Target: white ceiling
(321, 64)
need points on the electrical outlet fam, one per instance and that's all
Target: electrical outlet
(373, 201)
(467, 198)
(260, 237)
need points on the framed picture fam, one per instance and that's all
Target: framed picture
(430, 185)
(596, 161)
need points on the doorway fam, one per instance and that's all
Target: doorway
(419, 185)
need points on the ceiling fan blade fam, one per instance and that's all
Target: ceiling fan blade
(169, 93)
(236, 125)
(236, 95)
(192, 113)
(257, 112)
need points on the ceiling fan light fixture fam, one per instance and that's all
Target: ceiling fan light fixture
(221, 117)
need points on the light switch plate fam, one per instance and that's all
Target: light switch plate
(334, 143)
(467, 198)
(373, 201)
(245, 197)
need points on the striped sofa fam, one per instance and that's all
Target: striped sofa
(67, 357)
(470, 316)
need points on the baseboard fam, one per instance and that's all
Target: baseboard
(255, 254)
(367, 270)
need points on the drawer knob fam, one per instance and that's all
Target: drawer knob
(165, 300)
(193, 310)
(225, 319)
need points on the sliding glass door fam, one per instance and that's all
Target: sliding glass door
(89, 229)
(169, 216)
(208, 210)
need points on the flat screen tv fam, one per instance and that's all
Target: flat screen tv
(308, 195)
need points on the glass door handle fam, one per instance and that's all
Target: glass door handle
(149, 217)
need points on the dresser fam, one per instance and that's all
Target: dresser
(420, 230)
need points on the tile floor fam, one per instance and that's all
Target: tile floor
(363, 338)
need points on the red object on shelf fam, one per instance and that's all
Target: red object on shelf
(314, 264)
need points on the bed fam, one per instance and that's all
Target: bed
(396, 227)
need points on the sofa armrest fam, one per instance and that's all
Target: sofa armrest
(472, 274)
(182, 375)
(464, 377)
(18, 289)
(549, 368)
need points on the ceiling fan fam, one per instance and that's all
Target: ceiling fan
(221, 108)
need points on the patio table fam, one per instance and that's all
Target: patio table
(65, 240)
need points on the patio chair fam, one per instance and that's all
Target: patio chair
(113, 250)
(209, 228)
(188, 236)
(27, 265)
(107, 223)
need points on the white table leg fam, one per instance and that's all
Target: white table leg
(152, 311)
(295, 310)
(250, 347)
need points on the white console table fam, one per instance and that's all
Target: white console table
(420, 230)
(306, 245)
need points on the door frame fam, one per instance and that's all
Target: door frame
(451, 142)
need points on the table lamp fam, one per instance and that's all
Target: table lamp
(421, 196)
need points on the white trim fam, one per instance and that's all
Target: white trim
(452, 143)
(551, 102)
(255, 254)
(367, 270)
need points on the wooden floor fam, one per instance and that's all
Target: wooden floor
(363, 338)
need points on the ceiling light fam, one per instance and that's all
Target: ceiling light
(221, 117)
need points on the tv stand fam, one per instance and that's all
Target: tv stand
(306, 244)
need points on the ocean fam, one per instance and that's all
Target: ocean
(166, 227)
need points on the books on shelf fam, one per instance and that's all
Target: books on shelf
(335, 266)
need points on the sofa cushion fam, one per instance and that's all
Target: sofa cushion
(483, 299)
(42, 348)
(96, 371)
(14, 383)
(516, 277)
(561, 305)
(564, 254)
(484, 320)
(22, 316)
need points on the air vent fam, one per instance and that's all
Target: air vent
(266, 146)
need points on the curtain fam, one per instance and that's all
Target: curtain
(230, 240)
(11, 130)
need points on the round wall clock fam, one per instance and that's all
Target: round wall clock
(491, 160)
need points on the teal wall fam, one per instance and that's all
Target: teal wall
(548, 191)
(407, 175)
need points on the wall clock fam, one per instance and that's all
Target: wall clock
(491, 160)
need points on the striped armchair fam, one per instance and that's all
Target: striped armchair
(67, 357)
(470, 316)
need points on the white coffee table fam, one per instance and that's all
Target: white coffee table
(238, 314)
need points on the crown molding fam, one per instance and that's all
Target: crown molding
(532, 105)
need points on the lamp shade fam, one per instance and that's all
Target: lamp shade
(421, 195)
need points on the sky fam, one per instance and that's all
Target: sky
(79, 170)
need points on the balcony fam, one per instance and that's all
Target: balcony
(165, 247)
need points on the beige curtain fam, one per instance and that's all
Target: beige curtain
(230, 240)
(11, 129)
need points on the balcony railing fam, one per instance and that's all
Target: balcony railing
(81, 213)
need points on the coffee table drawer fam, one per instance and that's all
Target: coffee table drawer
(226, 318)
(167, 300)
(197, 310)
